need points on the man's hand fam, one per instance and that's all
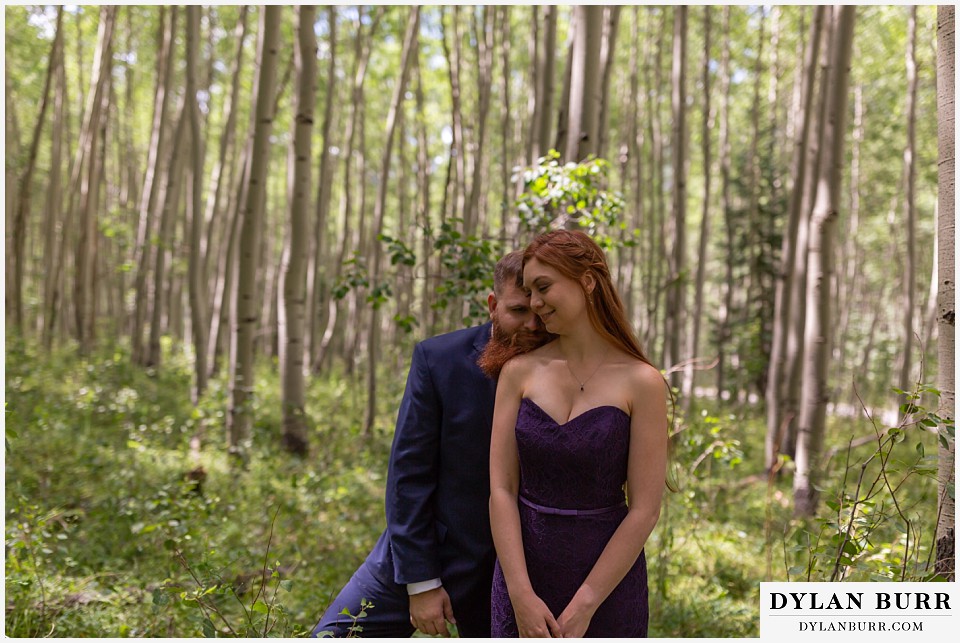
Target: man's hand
(430, 610)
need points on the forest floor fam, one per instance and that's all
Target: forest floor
(108, 533)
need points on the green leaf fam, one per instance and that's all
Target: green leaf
(286, 585)
(260, 607)
(209, 631)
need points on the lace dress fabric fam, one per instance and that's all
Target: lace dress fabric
(577, 465)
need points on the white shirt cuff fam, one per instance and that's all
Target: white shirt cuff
(423, 586)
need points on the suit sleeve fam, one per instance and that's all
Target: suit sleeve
(412, 477)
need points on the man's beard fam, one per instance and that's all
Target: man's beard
(503, 346)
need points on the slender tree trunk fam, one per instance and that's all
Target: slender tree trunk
(793, 367)
(484, 38)
(723, 322)
(506, 157)
(693, 339)
(583, 111)
(197, 266)
(54, 218)
(320, 291)
(241, 411)
(788, 276)
(851, 253)
(362, 49)
(430, 270)
(535, 87)
(409, 46)
(151, 182)
(946, 303)
(453, 52)
(219, 175)
(676, 294)
(820, 272)
(294, 275)
(909, 274)
(563, 113)
(611, 25)
(630, 147)
(85, 293)
(168, 211)
(24, 192)
(546, 64)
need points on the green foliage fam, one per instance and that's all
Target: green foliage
(874, 528)
(554, 193)
(108, 534)
(468, 263)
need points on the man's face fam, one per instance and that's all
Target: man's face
(511, 312)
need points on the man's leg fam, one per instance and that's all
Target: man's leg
(389, 617)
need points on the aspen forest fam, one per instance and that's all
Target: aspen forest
(227, 227)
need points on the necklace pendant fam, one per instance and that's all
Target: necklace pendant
(581, 388)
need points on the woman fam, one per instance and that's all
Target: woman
(574, 421)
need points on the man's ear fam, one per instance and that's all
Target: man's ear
(491, 303)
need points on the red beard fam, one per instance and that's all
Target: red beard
(503, 346)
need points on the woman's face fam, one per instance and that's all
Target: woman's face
(554, 297)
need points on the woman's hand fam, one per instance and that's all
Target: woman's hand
(576, 617)
(534, 619)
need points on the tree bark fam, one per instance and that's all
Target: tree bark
(151, 182)
(506, 159)
(219, 175)
(906, 379)
(484, 37)
(24, 192)
(241, 411)
(409, 46)
(85, 293)
(946, 302)
(693, 339)
(54, 216)
(788, 276)
(793, 367)
(583, 109)
(676, 293)
(611, 26)
(723, 321)
(820, 272)
(546, 64)
(362, 50)
(320, 290)
(198, 251)
(294, 276)
(168, 209)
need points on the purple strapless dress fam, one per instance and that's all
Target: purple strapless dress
(571, 501)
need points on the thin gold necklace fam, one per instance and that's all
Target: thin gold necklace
(584, 382)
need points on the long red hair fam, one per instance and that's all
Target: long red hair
(574, 254)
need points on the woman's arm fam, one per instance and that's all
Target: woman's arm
(646, 477)
(533, 617)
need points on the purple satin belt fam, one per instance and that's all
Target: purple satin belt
(570, 512)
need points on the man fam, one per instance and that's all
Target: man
(434, 563)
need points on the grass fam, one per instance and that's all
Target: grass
(106, 534)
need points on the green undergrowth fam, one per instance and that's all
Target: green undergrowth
(125, 517)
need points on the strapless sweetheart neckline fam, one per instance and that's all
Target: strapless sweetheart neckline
(588, 411)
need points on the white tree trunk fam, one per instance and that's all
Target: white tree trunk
(907, 379)
(294, 274)
(946, 304)
(241, 412)
(788, 277)
(821, 272)
(409, 47)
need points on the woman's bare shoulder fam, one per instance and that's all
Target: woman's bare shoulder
(646, 378)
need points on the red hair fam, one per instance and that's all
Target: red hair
(574, 254)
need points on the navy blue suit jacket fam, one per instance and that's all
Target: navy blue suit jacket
(438, 483)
